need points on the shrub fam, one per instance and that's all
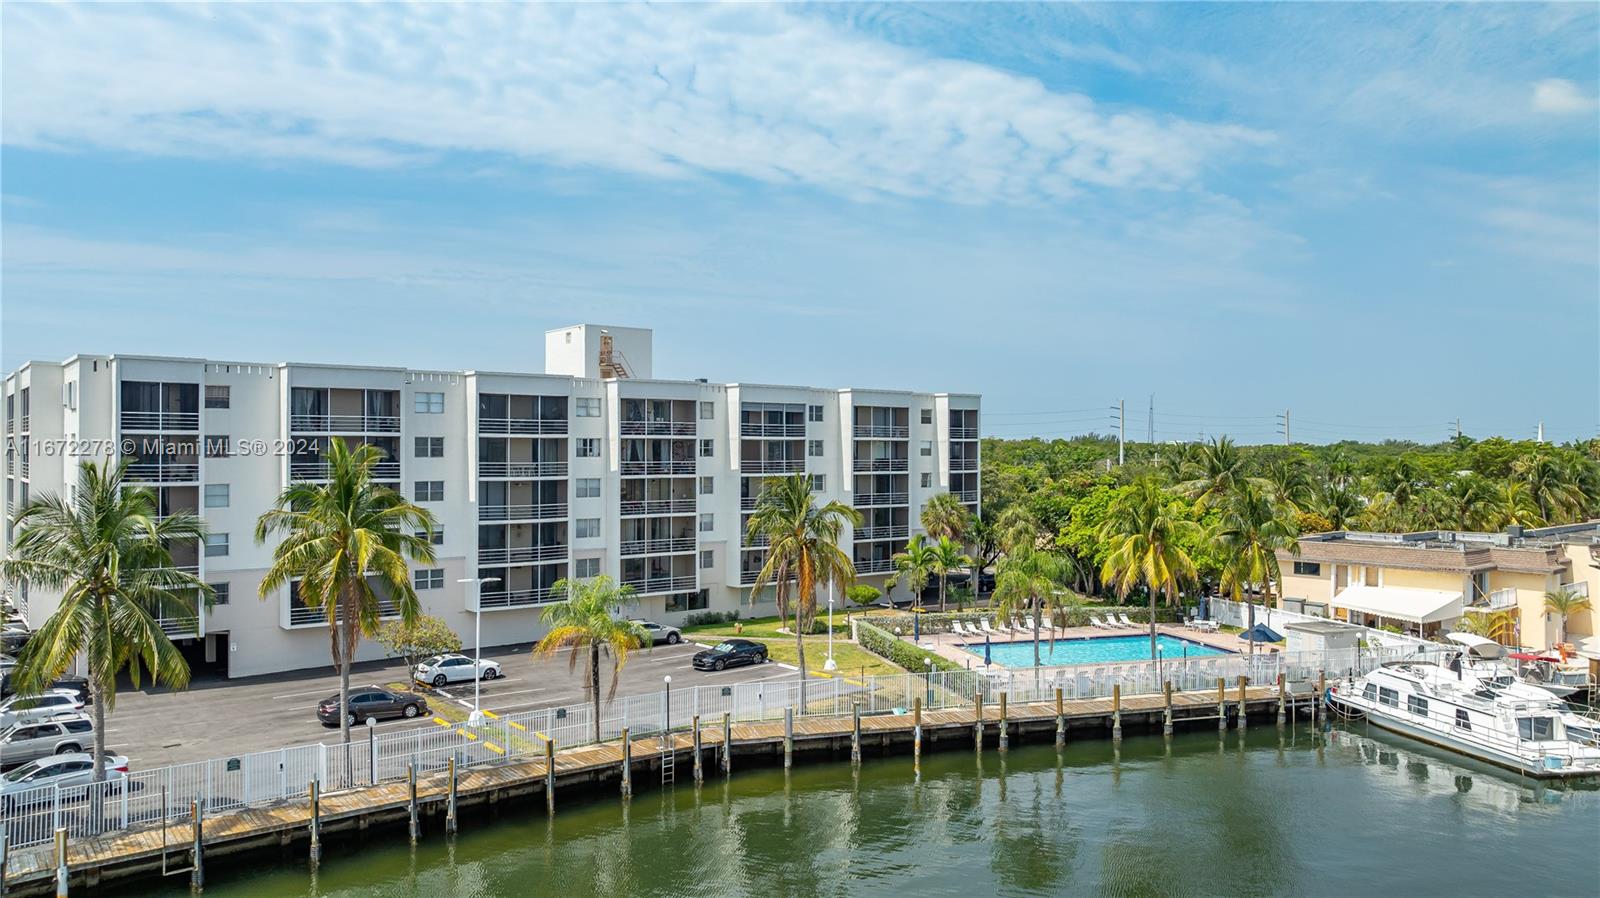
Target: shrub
(885, 645)
(862, 594)
(708, 618)
(426, 636)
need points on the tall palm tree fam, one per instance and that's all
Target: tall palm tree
(946, 556)
(1512, 505)
(1288, 483)
(1340, 504)
(1564, 603)
(1027, 581)
(1461, 504)
(944, 517)
(1146, 531)
(1558, 498)
(1217, 469)
(913, 567)
(1402, 480)
(1341, 468)
(587, 617)
(1501, 626)
(106, 551)
(344, 545)
(802, 551)
(1251, 534)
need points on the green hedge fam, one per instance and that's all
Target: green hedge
(939, 622)
(882, 643)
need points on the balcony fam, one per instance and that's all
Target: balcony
(963, 433)
(894, 531)
(882, 432)
(304, 616)
(516, 598)
(522, 425)
(318, 470)
(761, 540)
(773, 466)
(882, 464)
(344, 423)
(748, 503)
(522, 554)
(674, 546)
(868, 500)
(518, 470)
(792, 431)
(646, 586)
(875, 566)
(547, 511)
(658, 428)
(188, 422)
(960, 465)
(638, 468)
(155, 472)
(634, 508)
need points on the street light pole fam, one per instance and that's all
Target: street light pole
(830, 664)
(476, 718)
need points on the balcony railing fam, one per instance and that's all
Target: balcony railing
(882, 464)
(522, 425)
(773, 466)
(634, 468)
(24, 423)
(657, 428)
(657, 506)
(522, 512)
(894, 531)
(303, 616)
(154, 472)
(963, 464)
(184, 421)
(645, 586)
(318, 470)
(761, 540)
(882, 432)
(345, 423)
(967, 495)
(677, 545)
(522, 469)
(874, 566)
(772, 430)
(516, 598)
(963, 433)
(522, 554)
(748, 503)
(867, 500)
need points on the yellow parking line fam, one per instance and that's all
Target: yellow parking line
(519, 726)
(472, 736)
(818, 673)
(494, 748)
(541, 736)
(441, 721)
(491, 714)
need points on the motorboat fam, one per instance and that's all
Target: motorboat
(1486, 661)
(1425, 702)
(1544, 672)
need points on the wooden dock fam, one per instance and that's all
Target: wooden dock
(146, 851)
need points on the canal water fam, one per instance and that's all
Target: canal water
(1269, 813)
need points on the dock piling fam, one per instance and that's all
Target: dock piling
(855, 733)
(61, 862)
(316, 822)
(450, 802)
(1243, 682)
(977, 722)
(627, 764)
(1282, 711)
(1166, 714)
(727, 743)
(788, 737)
(414, 827)
(1061, 720)
(699, 751)
(916, 735)
(1317, 710)
(197, 872)
(1005, 738)
(1116, 712)
(550, 776)
(1222, 704)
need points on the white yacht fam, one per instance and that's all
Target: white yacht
(1428, 702)
(1547, 674)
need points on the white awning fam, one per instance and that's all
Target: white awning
(1419, 606)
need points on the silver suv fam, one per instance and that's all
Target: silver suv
(58, 735)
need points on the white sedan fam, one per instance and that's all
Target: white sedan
(72, 773)
(442, 669)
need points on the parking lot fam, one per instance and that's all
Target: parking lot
(220, 718)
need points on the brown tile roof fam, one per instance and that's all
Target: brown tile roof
(1457, 559)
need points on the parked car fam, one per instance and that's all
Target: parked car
(730, 653)
(58, 735)
(78, 686)
(659, 633)
(13, 637)
(31, 708)
(442, 669)
(71, 772)
(370, 701)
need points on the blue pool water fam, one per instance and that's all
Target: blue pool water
(1093, 650)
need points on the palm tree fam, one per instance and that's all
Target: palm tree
(946, 556)
(1501, 626)
(1564, 603)
(344, 546)
(1549, 485)
(1401, 480)
(1027, 581)
(106, 551)
(1251, 534)
(1341, 468)
(1217, 470)
(1513, 505)
(587, 618)
(945, 517)
(914, 567)
(1145, 531)
(1461, 504)
(1288, 483)
(802, 551)
(1340, 504)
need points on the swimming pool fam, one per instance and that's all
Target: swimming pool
(1091, 650)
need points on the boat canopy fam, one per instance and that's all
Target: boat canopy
(1478, 646)
(1419, 606)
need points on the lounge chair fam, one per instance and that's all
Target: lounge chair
(1127, 623)
(983, 624)
(1097, 623)
(955, 627)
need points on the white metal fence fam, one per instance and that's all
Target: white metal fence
(1236, 614)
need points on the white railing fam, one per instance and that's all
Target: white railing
(963, 433)
(516, 469)
(522, 425)
(305, 616)
(657, 546)
(961, 465)
(891, 532)
(773, 466)
(882, 432)
(882, 464)
(345, 423)
(967, 495)
(1235, 614)
(1498, 600)
(657, 506)
(515, 598)
(874, 566)
(772, 430)
(645, 586)
(184, 421)
(866, 500)
(682, 466)
(522, 512)
(657, 428)
(520, 554)
(318, 470)
(156, 472)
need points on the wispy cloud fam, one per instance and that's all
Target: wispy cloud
(1560, 96)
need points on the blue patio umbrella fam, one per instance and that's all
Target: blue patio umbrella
(916, 626)
(988, 660)
(1260, 633)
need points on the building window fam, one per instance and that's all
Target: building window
(819, 483)
(428, 403)
(219, 593)
(584, 568)
(588, 447)
(708, 485)
(814, 448)
(216, 445)
(428, 578)
(927, 416)
(429, 491)
(689, 601)
(708, 448)
(708, 559)
(218, 397)
(813, 413)
(588, 487)
(927, 480)
(708, 410)
(216, 545)
(1308, 568)
(436, 538)
(588, 408)
(708, 522)
(216, 495)
(587, 528)
(926, 449)
(430, 447)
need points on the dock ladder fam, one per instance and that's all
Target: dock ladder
(669, 759)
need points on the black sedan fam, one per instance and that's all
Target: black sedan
(730, 653)
(371, 701)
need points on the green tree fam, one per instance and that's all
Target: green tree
(1564, 603)
(1512, 505)
(944, 517)
(345, 543)
(1251, 534)
(946, 557)
(1461, 504)
(1549, 485)
(1402, 480)
(586, 620)
(1217, 470)
(863, 595)
(417, 639)
(106, 551)
(802, 551)
(1339, 504)
(1145, 529)
(913, 568)
(1501, 626)
(1288, 483)
(1027, 581)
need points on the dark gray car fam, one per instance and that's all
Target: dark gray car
(370, 701)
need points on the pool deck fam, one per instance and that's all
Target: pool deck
(948, 645)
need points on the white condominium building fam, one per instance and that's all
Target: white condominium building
(592, 467)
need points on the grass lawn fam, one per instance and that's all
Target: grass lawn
(851, 658)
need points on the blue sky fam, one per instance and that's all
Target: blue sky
(1382, 216)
